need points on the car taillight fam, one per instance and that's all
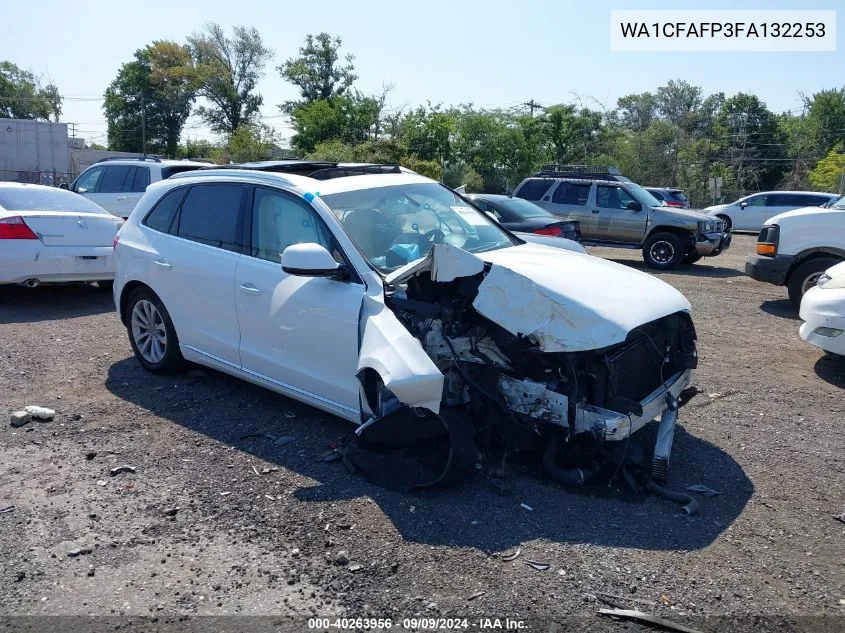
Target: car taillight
(549, 230)
(14, 228)
(672, 203)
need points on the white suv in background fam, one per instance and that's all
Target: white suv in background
(116, 184)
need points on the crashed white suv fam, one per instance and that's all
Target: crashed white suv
(385, 298)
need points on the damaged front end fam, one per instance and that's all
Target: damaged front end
(501, 362)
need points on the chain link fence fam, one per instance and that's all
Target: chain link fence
(49, 178)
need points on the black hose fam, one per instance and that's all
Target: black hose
(690, 504)
(565, 476)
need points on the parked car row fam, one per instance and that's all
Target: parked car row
(448, 324)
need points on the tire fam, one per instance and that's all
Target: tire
(805, 277)
(106, 286)
(158, 351)
(691, 258)
(728, 223)
(663, 251)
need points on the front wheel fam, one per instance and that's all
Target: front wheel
(728, 223)
(151, 333)
(663, 251)
(806, 276)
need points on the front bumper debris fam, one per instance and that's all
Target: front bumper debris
(712, 244)
(611, 426)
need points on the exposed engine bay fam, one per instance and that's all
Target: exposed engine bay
(506, 392)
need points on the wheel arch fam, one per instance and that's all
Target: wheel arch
(686, 236)
(125, 293)
(811, 254)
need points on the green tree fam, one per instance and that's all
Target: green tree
(23, 96)
(636, 111)
(250, 142)
(352, 119)
(750, 142)
(829, 173)
(428, 132)
(826, 115)
(229, 69)
(200, 148)
(151, 97)
(318, 72)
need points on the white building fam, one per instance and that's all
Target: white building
(33, 151)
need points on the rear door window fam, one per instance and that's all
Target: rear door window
(114, 178)
(211, 215)
(140, 180)
(781, 200)
(534, 188)
(572, 193)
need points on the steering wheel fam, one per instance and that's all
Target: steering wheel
(435, 236)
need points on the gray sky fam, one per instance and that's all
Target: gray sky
(491, 53)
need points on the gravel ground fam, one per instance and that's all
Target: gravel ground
(232, 511)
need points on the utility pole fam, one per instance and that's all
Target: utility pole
(531, 105)
(143, 126)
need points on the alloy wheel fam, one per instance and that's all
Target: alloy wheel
(148, 331)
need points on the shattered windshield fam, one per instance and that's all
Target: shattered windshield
(398, 224)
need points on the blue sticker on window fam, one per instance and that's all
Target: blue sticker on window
(308, 196)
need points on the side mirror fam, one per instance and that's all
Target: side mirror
(63, 186)
(311, 260)
(633, 205)
(742, 205)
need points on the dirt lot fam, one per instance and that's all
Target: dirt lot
(232, 511)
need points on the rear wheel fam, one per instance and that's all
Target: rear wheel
(806, 276)
(151, 333)
(663, 251)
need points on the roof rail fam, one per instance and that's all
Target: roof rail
(586, 170)
(154, 159)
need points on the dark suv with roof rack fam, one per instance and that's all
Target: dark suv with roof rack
(614, 211)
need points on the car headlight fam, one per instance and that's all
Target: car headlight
(707, 226)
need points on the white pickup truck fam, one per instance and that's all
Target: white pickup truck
(796, 247)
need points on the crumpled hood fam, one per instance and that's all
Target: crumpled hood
(570, 302)
(564, 301)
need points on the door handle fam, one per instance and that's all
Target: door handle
(596, 211)
(249, 289)
(163, 265)
(121, 198)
